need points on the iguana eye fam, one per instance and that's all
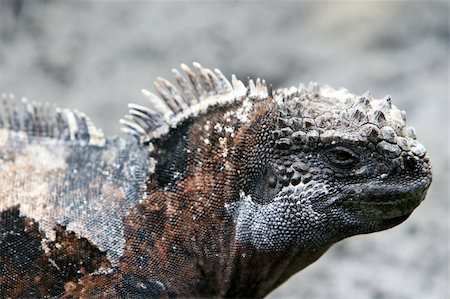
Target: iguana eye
(342, 157)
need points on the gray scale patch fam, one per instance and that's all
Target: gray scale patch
(276, 225)
(89, 189)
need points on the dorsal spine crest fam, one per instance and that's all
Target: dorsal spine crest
(197, 91)
(46, 120)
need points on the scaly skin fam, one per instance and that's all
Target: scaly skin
(226, 191)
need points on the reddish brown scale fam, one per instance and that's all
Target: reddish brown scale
(184, 238)
(35, 272)
(193, 245)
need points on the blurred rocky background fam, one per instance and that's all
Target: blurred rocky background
(97, 56)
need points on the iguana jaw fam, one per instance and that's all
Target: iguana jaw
(378, 204)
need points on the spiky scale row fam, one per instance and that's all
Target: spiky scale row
(195, 92)
(46, 120)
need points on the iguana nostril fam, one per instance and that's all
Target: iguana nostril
(410, 162)
(289, 172)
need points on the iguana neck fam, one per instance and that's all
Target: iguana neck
(201, 257)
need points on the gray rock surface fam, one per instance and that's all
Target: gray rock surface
(96, 56)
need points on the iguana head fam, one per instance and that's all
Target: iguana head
(340, 165)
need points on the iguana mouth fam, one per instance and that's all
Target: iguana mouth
(377, 202)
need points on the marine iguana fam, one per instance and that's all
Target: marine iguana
(217, 189)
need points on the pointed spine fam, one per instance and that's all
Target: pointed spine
(196, 91)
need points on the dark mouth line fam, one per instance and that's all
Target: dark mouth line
(373, 201)
(393, 207)
(395, 201)
(377, 197)
(399, 208)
